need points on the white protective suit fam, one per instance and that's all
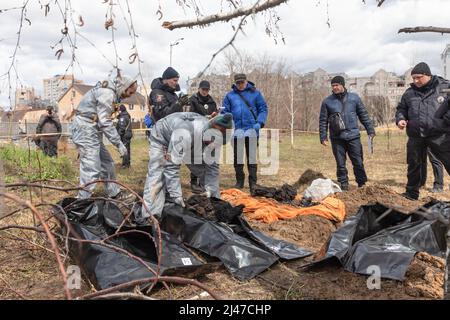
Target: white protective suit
(93, 120)
(172, 136)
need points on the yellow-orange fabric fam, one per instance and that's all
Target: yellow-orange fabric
(269, 210)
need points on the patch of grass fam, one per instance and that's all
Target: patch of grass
(23, 164)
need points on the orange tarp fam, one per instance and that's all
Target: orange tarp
(269, 210)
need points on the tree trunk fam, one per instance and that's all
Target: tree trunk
(292, 112)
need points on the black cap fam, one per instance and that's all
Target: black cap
(421, 68)
(338, 79)
(122, 108)
(204, 85)
(170, 73)
(240, 77)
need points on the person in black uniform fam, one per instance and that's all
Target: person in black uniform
(125, 132)
(203, 104)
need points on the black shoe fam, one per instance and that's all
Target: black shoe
(360, 185)
(197, 188)
(344, 186)
(409, 196)
(239, 185)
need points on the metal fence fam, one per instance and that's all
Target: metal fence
(17, 132)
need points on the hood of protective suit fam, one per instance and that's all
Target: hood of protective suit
(120, 84)
(224, 120)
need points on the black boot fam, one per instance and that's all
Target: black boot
(252, 177)
(239, 184)
(344, 186)
(195, 186)
(252, 188)
(240, 176)
(410, 196)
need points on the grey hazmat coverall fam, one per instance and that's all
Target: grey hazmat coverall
(93, 120)
(179, 135)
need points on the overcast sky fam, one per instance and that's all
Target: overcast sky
(361, 39)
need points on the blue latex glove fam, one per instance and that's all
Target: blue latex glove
(148, 121)
(257, 126)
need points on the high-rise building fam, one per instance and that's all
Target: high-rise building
(56, 86)
(25, 94)
(445, 57)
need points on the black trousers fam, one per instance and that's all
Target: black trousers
(355, 152)
(250, 144)
(126, 161)
(50, 148)
(416, 152)
(438, 171)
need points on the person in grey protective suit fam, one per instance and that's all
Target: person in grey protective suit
(187, 138)
(93, 120)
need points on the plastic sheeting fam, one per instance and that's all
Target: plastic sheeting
(244, 252)
(320, 189)
(286, 193)
(105, 267)
(387, 239)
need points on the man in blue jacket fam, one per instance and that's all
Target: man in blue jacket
(249, 110)
(340, 112)
(148, 123)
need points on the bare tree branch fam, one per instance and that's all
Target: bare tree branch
(424, 29)
(124, 295)
(133, 283)
(201, 21)
(50, 236)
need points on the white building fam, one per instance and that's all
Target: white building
(445, 57)
(56, 86)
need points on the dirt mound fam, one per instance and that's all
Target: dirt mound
(309, 231)
(307, 177)
(425, 277)
(355, 198)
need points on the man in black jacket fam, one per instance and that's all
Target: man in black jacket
(163, 97)
(124, 129)
(424, 112)
(203, 104)
(340, 112)
(49, 123)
